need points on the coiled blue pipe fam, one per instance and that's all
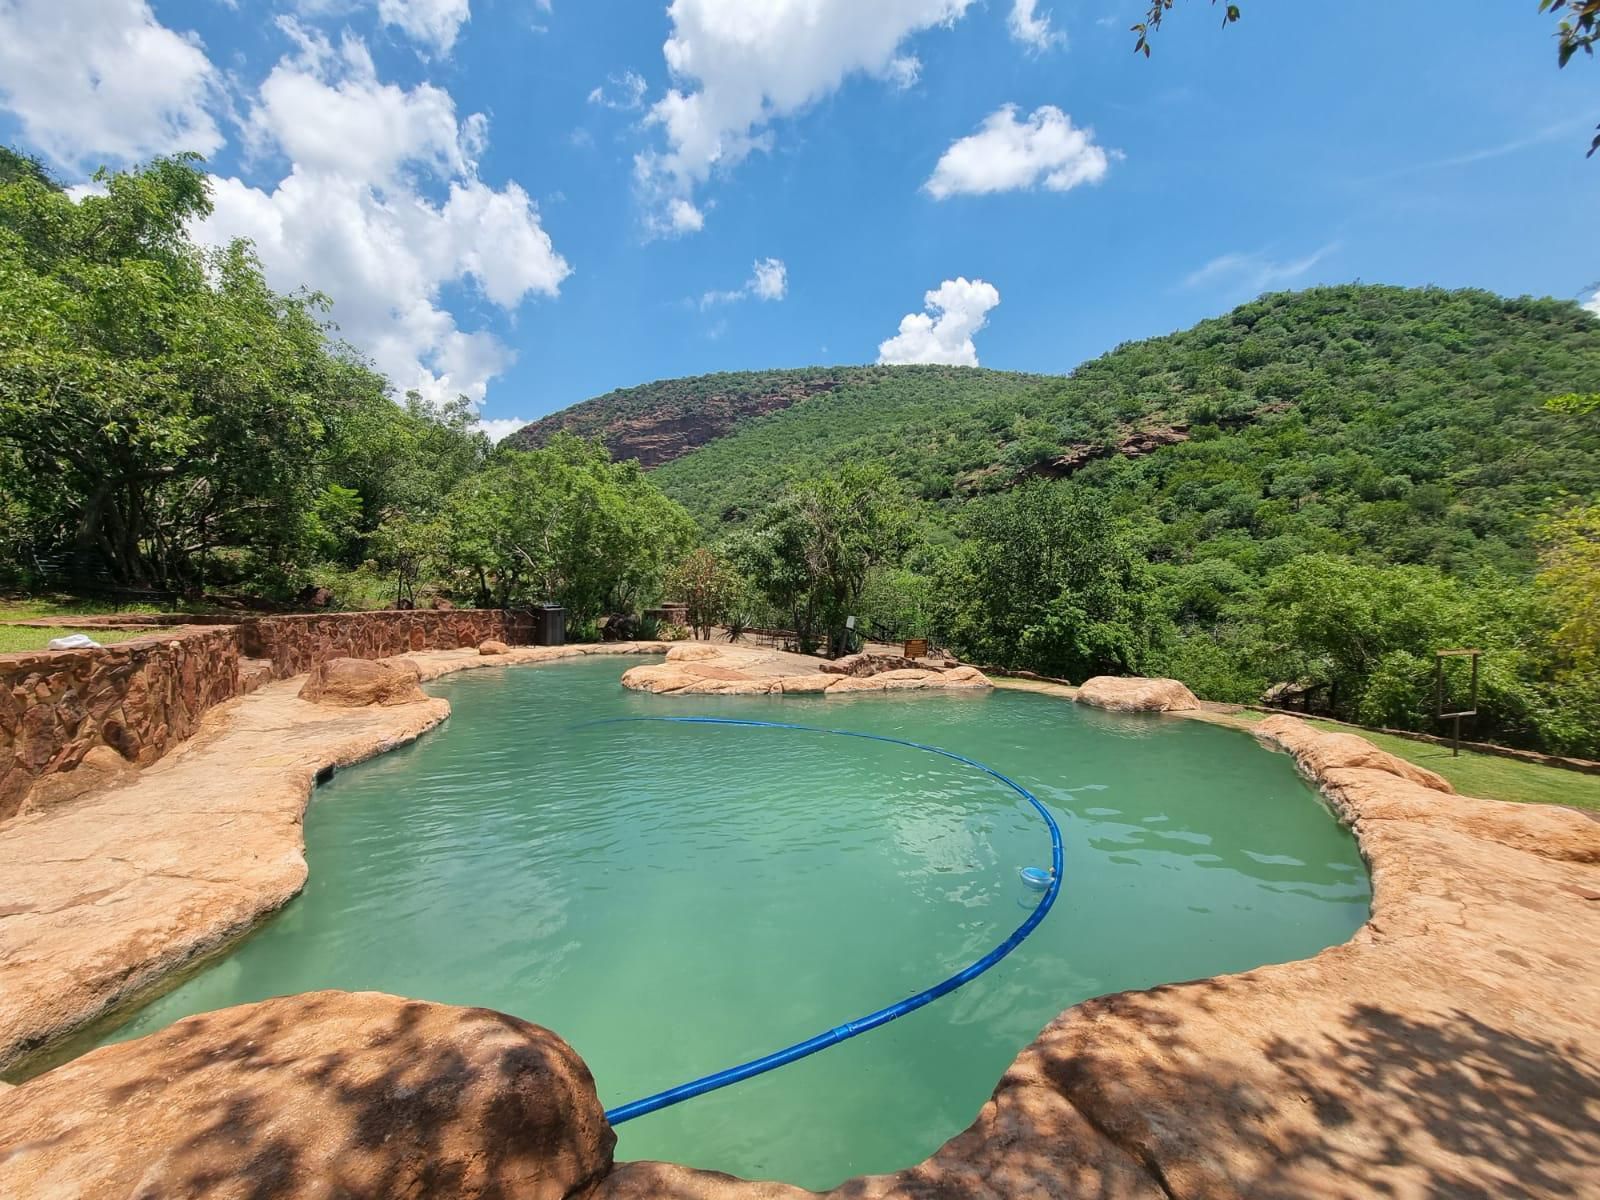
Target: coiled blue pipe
(850, 1029)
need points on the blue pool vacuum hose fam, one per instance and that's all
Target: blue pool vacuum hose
(850, 1029)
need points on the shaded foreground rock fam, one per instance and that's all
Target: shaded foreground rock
(1137, 695)
(358, 682)
(703, 669)
(325, 1094)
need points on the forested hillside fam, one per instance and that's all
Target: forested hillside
(660, 422)
(1325, 406)
(1316, 490)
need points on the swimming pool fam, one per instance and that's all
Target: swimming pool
(673, 899)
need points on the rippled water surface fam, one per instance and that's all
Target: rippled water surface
(675, 899)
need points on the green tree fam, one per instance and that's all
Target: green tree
(706, 585)
(810, 553)
(1046, 578)
(1570, 575)
(564, 523)
(165, 401)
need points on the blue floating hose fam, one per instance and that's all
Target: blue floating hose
(850, 1029)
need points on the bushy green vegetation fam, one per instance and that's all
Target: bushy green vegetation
(1346, 480)
(169, 424)
(564, 523)
(1318, 489)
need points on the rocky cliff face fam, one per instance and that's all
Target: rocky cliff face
(661, 422)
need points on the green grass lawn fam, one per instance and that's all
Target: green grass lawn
(19, 639)
(1489, 775)
(34, 608)
(1485, 775)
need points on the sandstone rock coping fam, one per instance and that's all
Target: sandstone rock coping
(708, 669)
(1448, 1048)
(104, 897)
(324, 1094)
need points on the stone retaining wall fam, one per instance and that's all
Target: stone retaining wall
(139, 697)
(143, 697)
(296, 644)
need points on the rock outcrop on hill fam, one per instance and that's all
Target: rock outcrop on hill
(655, 425)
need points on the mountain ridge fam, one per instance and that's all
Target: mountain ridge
(666, 419)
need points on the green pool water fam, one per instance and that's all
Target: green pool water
(676, 899)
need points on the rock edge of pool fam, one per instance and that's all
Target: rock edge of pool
(1444, 1049)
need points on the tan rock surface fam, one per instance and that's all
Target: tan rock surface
(1318, 751)
(1136, 695)
(493, 646)
(358, 682)
(104, 896)
(707, 669)
(325, 1094)
(102, 769)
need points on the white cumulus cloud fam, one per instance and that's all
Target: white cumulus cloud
(500, 428)
(103, 80)
(737, 66)
(955, 311)
(351, 219)
(1032, 28)
(769, 280)
(1593, 304)
(1006, 154)
(433, 23)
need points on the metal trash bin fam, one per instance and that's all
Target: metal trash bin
(549, 625)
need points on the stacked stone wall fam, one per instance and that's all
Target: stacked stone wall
(139, 697)
(293, 645)
(143, 697)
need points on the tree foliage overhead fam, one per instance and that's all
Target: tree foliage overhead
(1578, 29)
(165, 400)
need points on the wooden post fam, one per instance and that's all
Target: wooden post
(1438, 694)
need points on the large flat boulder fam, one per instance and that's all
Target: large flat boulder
(328, 1094)
(1137, 695)
(358, 682)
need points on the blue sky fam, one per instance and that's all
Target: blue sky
(489, 222)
